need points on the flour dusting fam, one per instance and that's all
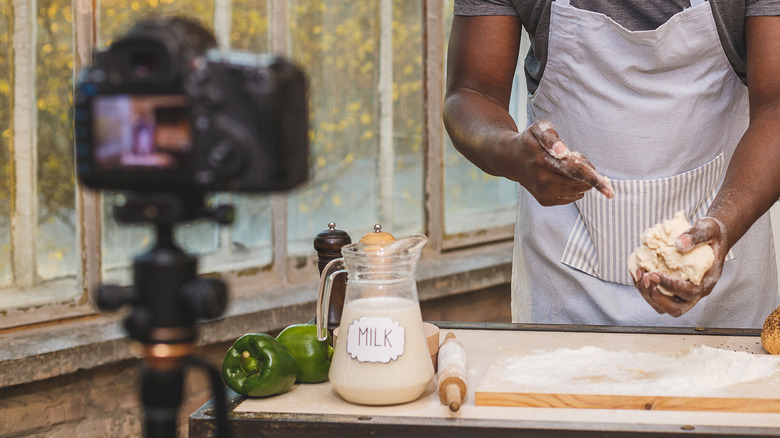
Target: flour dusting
(591, 370)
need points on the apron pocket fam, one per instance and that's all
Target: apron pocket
(607, 231)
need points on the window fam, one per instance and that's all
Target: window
(38, 202)
(375, 73)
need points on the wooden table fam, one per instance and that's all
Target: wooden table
(315, 410)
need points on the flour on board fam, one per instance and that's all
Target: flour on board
(592, 370)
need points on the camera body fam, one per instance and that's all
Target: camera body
(162, 110)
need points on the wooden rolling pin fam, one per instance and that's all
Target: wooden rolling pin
(453, 372)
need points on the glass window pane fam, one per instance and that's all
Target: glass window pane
(408, 118)
(120, 244)
(250, 235)
(473, 199)
(6, 89)
(56, 254)
(251, 29)
(117, 16)
(339, 44)
(249, 239)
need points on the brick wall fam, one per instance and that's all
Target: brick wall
(104, 402)
(101, 402)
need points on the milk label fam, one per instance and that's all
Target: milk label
(375, 339)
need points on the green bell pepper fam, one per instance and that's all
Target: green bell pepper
(313, 356)
(258, 366)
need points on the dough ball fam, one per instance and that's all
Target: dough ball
(658, 253)
(770, 333)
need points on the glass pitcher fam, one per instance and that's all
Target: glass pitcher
(381, 356)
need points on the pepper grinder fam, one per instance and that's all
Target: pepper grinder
(328, 245)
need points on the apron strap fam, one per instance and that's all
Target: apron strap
(562, 2)
(696, 2)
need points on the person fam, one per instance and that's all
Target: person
(660, 107)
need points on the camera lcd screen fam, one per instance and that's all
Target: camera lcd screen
(141, 132)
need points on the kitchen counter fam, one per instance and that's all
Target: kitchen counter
(316, 410)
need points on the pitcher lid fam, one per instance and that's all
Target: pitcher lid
(377, 236)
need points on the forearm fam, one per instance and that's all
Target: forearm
(752, 181)
(482, 130)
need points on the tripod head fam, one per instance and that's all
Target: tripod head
(167, 297)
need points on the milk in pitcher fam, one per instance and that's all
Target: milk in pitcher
(381, 355)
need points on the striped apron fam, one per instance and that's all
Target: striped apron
(660, 113)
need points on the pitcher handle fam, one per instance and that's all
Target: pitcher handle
(331, 270)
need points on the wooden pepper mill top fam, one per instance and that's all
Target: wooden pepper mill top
(328, 245)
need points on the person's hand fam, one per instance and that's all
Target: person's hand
(684, 294)
(552, 173)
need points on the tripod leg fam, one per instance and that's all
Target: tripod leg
(161, 394)
(218, 390)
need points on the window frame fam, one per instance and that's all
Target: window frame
(283, 270)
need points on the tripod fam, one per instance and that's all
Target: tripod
(167, 300)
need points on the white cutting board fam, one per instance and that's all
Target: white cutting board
(692, 378)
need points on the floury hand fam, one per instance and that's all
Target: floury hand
(569, 164)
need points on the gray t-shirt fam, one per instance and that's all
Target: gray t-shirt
(633, 15)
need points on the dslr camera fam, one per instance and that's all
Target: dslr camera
(163, 110)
